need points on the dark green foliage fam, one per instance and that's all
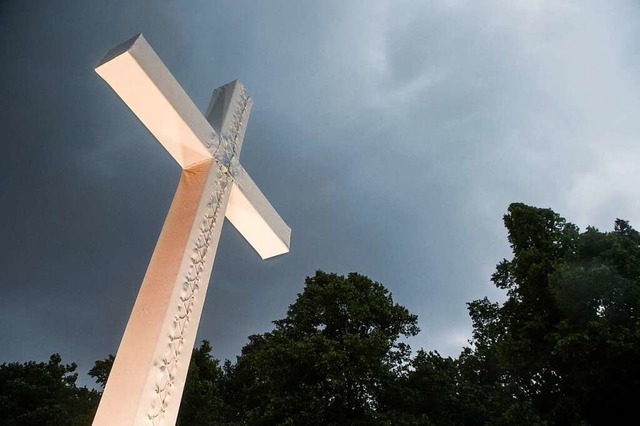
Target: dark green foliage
(202, 398)
(329, 361)
(563, 349)
(101, 369)
(430, 391)
(513, 342)
(598, 339)
(44, 393)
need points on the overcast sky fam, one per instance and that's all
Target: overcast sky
(390, 135)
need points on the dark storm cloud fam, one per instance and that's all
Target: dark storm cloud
(391, 136)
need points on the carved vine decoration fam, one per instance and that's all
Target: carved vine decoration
(226, 155)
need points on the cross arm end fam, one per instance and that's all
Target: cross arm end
(255, 218)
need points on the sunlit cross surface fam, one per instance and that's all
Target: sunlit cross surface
(146, 383)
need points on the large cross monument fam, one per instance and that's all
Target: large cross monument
(147, 379)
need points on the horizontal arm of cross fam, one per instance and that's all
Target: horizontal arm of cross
(140, 78)
(259, 223)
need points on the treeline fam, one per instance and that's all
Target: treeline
(563, 349)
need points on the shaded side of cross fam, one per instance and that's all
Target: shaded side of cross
(147, 379)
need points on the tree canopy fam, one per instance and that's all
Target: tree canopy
(562, 349)
(329, 361)
(44, 393)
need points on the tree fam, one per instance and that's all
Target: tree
(44, 393)
(598, 340)
(428, 394)
(202, 398)
(329, 361)
(100, 370)
(564, 347)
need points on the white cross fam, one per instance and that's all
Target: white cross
(147, 379)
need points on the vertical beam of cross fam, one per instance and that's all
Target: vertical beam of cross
(147, 379)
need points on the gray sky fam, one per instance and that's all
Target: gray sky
(390, 135)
